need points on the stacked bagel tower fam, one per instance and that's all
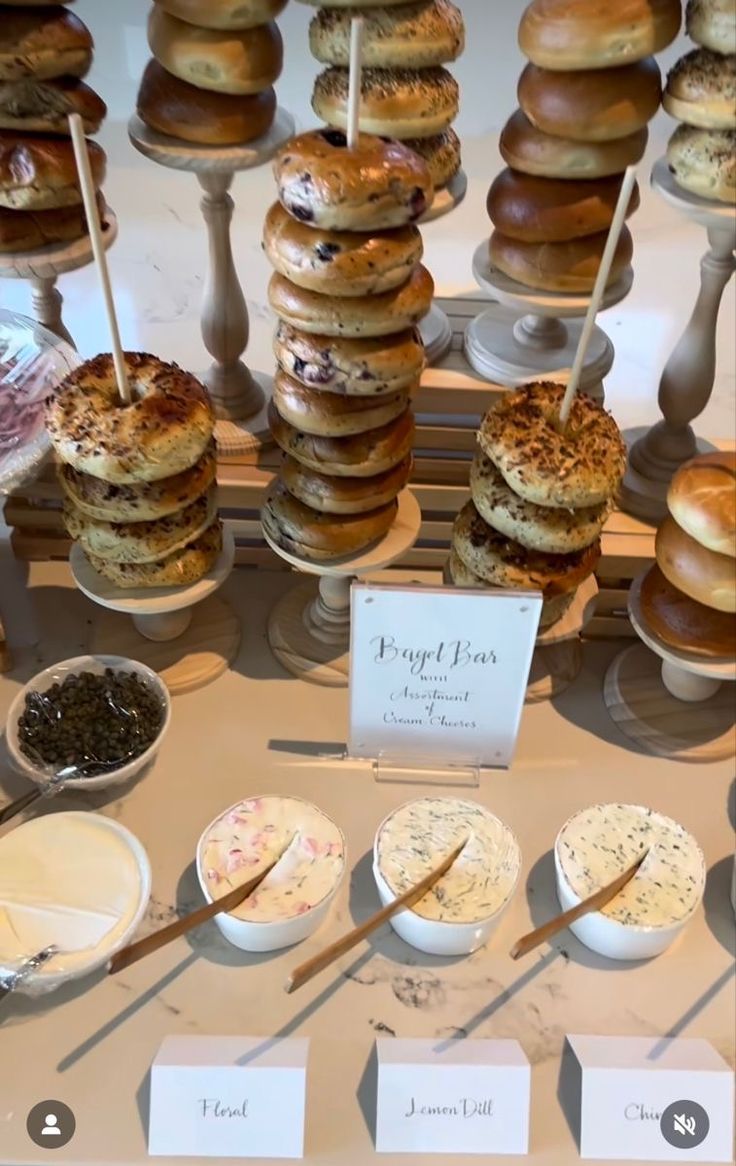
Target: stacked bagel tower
(348, 291)
(406, 91)
(44, 54)
(701, 95)
(138, 479)
(540, 495)
(586, 97)
(214, 65)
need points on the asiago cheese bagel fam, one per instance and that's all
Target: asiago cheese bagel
(137, 502)
(179, 569)
(141, 542)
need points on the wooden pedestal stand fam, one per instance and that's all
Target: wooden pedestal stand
(687, 381)
(42, 267)
(187, 634)
(435, 327)
(669, 702)
(525, 336)
(240, 398)
(309, 629)
(558, 655)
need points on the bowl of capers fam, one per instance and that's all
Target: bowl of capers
(88, 722)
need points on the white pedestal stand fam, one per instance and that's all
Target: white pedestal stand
(309, 629)
(525, 336)
(671, 703)
(435, 327)
(687, 381)
(43, 267)
(186, 634)
(240, 399)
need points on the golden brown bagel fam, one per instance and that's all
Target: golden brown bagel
(702, 500)
(595, 34)
(592, 105)
(174, 107)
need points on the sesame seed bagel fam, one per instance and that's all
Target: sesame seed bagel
(333, 495)
(166, 429)
(363, 456)
(321, 537)
(712, 23)
(179, 569)
(703, 162)
(356, 316)
(401, 103)
(442, 153)
(333, 415)
(141, 502)
(417, 35)
(503, 562)
(540, 528)
(459, 575)
(335, 364)
(582, 466)
(378, 185)
(340, 263)
(701, 90)
(141, 542)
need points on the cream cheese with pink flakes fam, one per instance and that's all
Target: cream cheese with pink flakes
(252, 834)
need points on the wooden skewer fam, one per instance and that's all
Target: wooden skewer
(594, 903)
(357, 27)
(86, 183)
(596, 298)
(143, 947)
(323, 959)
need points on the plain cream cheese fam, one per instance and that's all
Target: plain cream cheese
(599, 843)
(69, 879)
(251, 835)
(415, 839)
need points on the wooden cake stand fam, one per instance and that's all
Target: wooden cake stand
(687, 381)
(435, 327)
(309, 629)
(189, 635)
(43, 266)
(670, 702)
(240, 398)
(530, 334)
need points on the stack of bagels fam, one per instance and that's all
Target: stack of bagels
(138, 479)
(214, 65)
(539, 497)
(586, 97)
(348, 290)
(45, 51)
(689, 597)
(701, 94)
(406, 91)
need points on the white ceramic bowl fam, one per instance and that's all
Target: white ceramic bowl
(439, 936)
(273, 934)
(612, 938)
(71, 964)
(57, 673)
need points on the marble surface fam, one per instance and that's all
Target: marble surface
(255, 731)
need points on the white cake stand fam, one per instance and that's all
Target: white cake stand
(528, 334)
(43, 266)
(671, 703)
(435, 328)
(187, 634)
(309, 629)
(687, 381)
(240, 398)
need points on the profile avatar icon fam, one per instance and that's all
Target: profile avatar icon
(51, 1128)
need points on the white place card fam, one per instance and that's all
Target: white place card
(452, 1097)
(654, 1100)
(439, 675)
(228, 1097)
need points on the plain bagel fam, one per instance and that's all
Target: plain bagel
(331, 414)
(701, 90)
(377, 185)
(580, 466)
(39, 172)
(137, 502)
(524, 147)
(165, 430)
(313, 534)
(179, 569)
(222, 60)
(43, 42)
(459, 575)
(702, 500)
(43, 106)
(561, 267)
(704, 575)
(141, 542)
(174, 107)
(682, 622)
(553, 210)
(333, 495)
(416, 35)
(29, 230)
(592, 105)
(380, 315)
(400, 103)
(596, 34)
(334, 364)
(362, 456)
(712, 24)
(224, 14)
(341, 263)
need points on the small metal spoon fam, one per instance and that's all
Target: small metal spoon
(11, 982)
(49, 789)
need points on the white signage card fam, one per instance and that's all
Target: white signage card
(452, 1097)
(228, 1097)
(439, 675)
(654, 1100)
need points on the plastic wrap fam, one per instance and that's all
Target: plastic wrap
(32, 363)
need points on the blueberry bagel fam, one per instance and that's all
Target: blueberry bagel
(336, 364)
